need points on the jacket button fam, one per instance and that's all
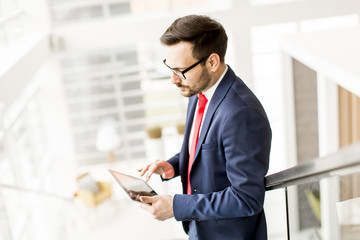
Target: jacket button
(196, 190)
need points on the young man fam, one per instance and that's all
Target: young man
(225, 153)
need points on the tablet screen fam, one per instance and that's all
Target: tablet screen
(134, 187)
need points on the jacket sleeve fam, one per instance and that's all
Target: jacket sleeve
(245, 142)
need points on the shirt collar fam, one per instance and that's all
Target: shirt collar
(210, 92)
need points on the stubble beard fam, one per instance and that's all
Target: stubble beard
(202, 84)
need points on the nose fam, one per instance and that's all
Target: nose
(175, 79)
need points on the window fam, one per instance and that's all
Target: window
(116, 84)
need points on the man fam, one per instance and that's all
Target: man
(225, 153)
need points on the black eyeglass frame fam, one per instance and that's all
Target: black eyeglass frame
(181, 74)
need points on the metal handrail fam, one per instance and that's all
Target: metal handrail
(344, 161)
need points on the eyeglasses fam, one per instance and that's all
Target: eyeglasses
(181, 74)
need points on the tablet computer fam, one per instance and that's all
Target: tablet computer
(134, 187)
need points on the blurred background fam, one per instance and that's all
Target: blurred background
(83, 89)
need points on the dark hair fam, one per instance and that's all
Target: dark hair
(205, 34)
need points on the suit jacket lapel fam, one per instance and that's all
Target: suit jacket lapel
(185, 147)
(217, 98)
(190, 119)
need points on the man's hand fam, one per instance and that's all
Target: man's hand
(161, 206)
(162, 168)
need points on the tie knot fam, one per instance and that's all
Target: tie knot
(202, 100)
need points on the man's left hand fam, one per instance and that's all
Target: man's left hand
(161, 206)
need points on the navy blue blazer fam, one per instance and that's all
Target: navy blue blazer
(231, 161)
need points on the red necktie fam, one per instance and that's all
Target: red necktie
(199, 115)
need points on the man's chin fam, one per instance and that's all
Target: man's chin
(184, 95)
(185, 92)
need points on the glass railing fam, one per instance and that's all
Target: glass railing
(321, 198)
(31, 214)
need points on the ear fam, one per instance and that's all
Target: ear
(213, 62)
